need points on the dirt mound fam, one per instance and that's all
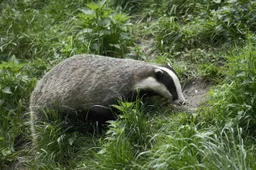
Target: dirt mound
(195, 92)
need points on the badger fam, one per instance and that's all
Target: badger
(90, 84)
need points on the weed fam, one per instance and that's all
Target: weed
(130, 5)
(132, 123)
(223, 25)
(234, 102)
(130, 132)
(235, 19)
(184, 146)
(176, 8)
(14, 88)
(102, 31)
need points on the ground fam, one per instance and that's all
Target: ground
(195, 92)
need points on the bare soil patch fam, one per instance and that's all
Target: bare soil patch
(195, 92)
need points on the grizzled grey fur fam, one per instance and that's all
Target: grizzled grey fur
(86, 82)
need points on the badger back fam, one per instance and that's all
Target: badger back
(87, 80)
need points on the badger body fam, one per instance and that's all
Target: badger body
(91, 83)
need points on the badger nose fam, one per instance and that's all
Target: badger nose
(180, 102)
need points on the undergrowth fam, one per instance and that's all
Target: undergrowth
(203, 38)
(102, 31)
(233, 103)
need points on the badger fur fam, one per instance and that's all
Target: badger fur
(91, 83)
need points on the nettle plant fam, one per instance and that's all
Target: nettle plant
(235, 19)
(101, 31)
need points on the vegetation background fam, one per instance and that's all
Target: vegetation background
(211, 39)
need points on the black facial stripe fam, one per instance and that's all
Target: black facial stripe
(168, 82)
(170, 68)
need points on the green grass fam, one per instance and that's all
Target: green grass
(234, 101)
(209, 39)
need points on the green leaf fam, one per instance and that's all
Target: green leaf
(93, 6)
(217, 1)
(116, 46)
(14, 59)
(71, 141)
(231, 1)
(1, 102)
(127, 104)
(7, 90)
(118, 107)
(87, 12)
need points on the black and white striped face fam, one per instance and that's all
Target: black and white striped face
(165, 82)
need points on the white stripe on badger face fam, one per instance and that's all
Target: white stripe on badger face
(151, 83)
(176, 81)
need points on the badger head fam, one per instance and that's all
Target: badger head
(164, 82)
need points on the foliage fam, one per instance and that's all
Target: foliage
(53, 145)
(130, 132)
(212, 39)
(35, 28)
(15, 86)
(59, 140)
(235, 19)
(132, 123)
(224, 24)
(183, 143)
(127, 5)
(172, 37)
(234, 102)
(101, 31)
(177, 8)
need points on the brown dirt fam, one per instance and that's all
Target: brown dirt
(195, 92)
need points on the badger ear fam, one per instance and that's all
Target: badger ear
(158, 72)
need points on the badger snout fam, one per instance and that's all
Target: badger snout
(180, 102)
